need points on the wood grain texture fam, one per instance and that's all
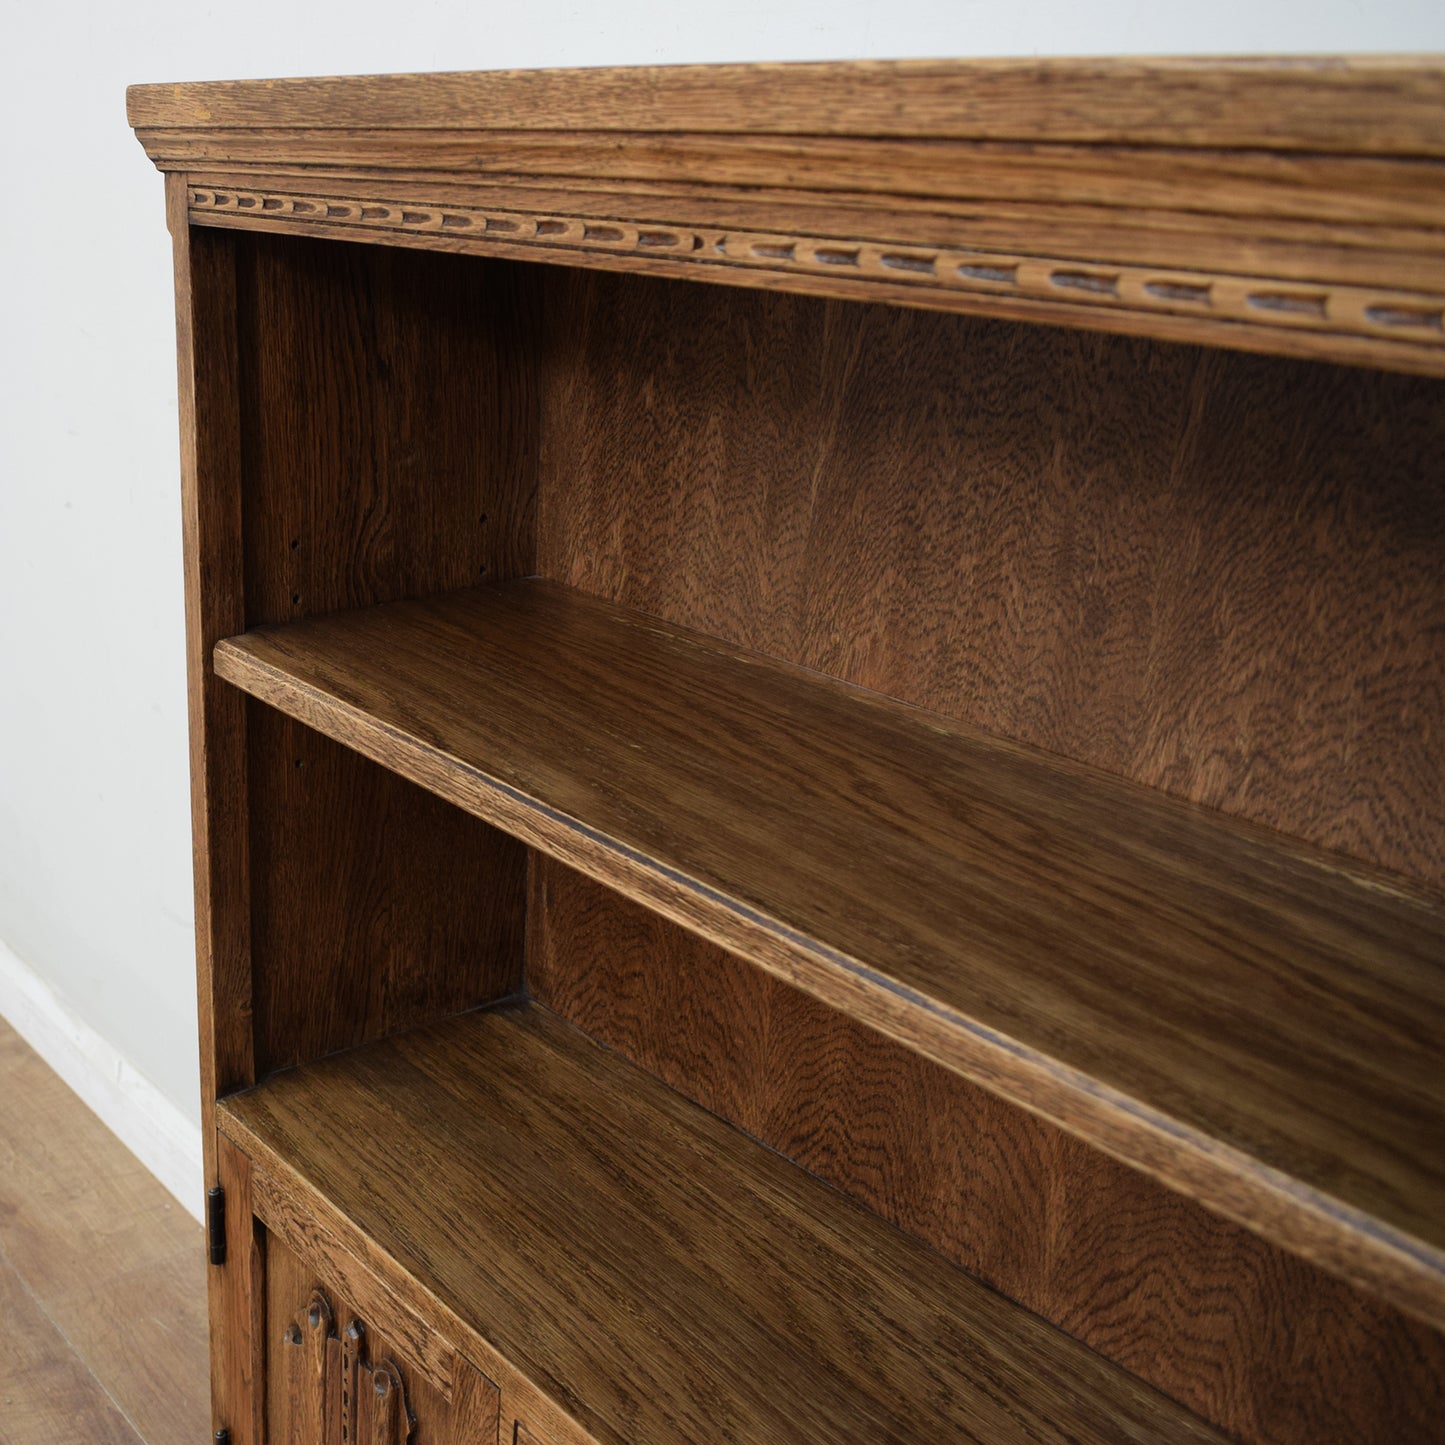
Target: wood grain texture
(111, 1270)
(1290, 247)
(238, 1304)
(1210, 1314)
(475, 1414)
(667, 1279)
(1250, 1021)
(211, 489)
(1090, 948)
(303, 1384)
(1213, 575)
(375, 906)
(1177, 212)
(1363, 103)
(380, 1400)
(206, 347)
(389, 444)
(46, 1388)
(1350, 190)
(389, 425)
(1403, 329)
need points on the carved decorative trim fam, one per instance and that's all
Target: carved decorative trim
(333, 1392)
(1259, 301)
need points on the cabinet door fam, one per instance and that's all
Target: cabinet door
(335, 1378)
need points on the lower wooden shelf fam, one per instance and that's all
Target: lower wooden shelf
(1253, 1022)
(629, 1266)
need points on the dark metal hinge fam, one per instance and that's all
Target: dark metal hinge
(222, 1437)
(216, 1231)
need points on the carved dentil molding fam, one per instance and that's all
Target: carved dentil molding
(1256, 301)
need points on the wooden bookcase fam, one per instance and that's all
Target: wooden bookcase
(851, 854)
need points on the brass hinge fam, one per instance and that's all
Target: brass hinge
(216, 1228)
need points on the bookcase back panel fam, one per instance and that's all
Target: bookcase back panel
(1234, 1328)
(1216, 574)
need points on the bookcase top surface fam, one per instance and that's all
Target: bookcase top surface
(1365, 104)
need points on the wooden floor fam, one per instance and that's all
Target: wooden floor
(102, 1278)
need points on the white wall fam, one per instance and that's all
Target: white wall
(95, 890)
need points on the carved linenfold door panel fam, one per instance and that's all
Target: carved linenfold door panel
(335, 1378)
(335, 1394)
(311, 1364)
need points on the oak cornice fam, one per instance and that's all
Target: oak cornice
(1287, 206)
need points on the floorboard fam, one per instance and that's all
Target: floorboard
(102, 1277)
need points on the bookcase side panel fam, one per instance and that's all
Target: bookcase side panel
(215, 608)
(205, 278)
(376, 906)
(387, 450)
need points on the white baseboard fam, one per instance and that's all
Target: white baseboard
(145, 1120)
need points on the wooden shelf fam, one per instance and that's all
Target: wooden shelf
(1256, 1024)
(647, 1268)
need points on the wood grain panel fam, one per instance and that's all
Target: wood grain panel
(1354, 190)
(1246, 1018)
(389, 450)
(389, 419)
(386, 1400)
(375, 905)
(664, 1278)
(1364, 103)
(303, 1384)
(1215, 575)
(210, 425)
(237, 1294)
(1208, 1313)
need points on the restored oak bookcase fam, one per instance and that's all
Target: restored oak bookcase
(851, 853)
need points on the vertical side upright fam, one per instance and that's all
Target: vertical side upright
(211, 519)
